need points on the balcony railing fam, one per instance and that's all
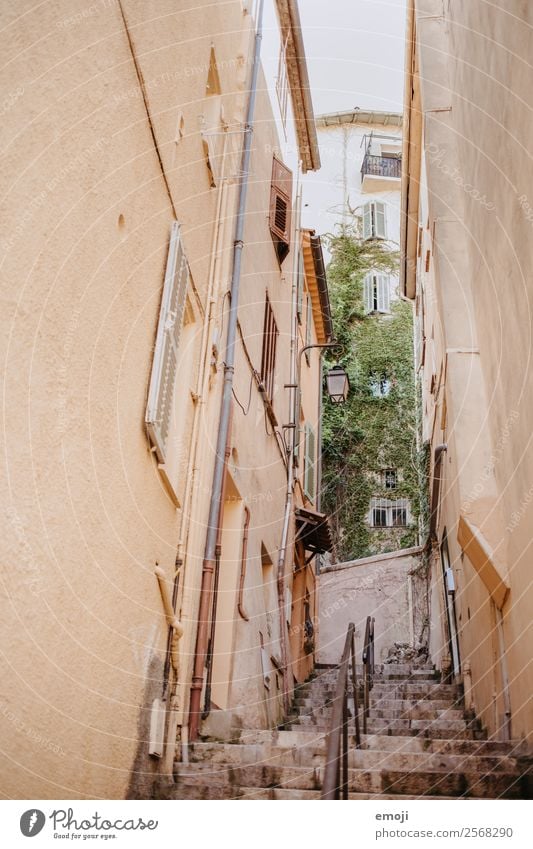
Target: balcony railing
(388, 167)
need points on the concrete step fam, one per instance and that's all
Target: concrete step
(430, 782)
(204, 792)
(438, 728)
(227, 755)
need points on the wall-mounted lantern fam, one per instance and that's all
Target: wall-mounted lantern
(338, 384)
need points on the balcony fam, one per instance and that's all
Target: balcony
(380, 172)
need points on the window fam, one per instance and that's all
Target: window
(164, 364)
(213, 124)
(386, 513)
(268, 356)
(280, 208)
(390, 479)
(376, 292)
(374, 220)
(380, 385)
(309, 484)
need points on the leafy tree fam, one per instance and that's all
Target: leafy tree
(369, 434)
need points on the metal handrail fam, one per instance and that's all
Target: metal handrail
(335, 784)
(368, 663)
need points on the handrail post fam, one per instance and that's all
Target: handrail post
(344, 788)
(355, 697)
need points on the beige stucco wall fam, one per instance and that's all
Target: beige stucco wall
(85, 516)
(476, 189)
(385, 587)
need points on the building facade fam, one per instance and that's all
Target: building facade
(466, 260)
(122, 182)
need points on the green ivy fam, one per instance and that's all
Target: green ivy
(368, 434)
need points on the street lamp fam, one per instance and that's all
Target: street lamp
(338, 384)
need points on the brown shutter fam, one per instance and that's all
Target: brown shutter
(280, 207)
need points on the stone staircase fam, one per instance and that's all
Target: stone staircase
(420, 743)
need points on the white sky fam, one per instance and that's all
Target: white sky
(354, 52)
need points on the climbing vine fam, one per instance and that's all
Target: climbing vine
(369, 434)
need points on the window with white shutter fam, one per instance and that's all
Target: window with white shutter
(374, 220)
(376, 292)
(164, 365)
(309, 483)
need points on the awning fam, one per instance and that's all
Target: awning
(313, 530)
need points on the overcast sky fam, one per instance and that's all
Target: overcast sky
(355, 52)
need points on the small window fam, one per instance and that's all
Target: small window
(387, 513)
(390, 479)
(268, 355)
(280, 208)
(380, 385)
(309, 483)
(374, 220)
(376, 292)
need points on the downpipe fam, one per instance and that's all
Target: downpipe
(225, 406)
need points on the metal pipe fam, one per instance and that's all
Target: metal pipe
(505, 677)
(244, 557)
(225, 405)
(218, 551)
(293, 371)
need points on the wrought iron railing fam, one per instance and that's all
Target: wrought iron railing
(335, 784)
(382, 166)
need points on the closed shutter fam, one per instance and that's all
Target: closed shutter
(163, 377)
(383, 292)
(367, 221)
(300, 285)
(368, 292)
(280, 207)
(380, 221)
(310, 460)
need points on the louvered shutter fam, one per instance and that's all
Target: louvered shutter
(280, 204)
(368, 292)
(163, 377)
(367, 221)
(380, 221)
(383, 292)
(309, 468)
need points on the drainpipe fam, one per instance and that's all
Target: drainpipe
(505, 677)
(225, 405)
(218, 552)
(435, 494)
(291, 444)
(244, 558)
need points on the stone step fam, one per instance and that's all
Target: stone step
(227, 755)
(415, 713)
(204, 792)
(434, 782)
(439, 728)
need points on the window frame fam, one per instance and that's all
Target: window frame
(269, 350)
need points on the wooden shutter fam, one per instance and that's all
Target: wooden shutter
(380, 221)
(300, 286)
(383, 292)
(367, 221)
(368, 292)
(309, 465)
(268, 355)
(164, 365)
(280, 207)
